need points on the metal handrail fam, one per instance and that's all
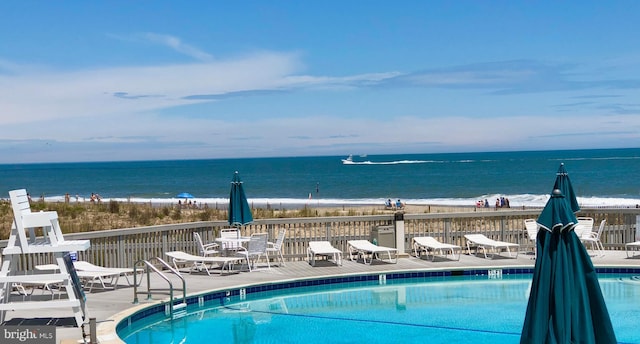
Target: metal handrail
(149, 267)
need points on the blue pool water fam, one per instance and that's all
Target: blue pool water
(438, 310)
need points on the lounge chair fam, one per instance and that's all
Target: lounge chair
(431, 244)
(276, 247)
(81, 265)
(323, 249)
(106, 278)
(593, 238)
(200, 263)
(364, 248)
(480, 241)
(631, 246)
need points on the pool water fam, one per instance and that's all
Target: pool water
(398, 311)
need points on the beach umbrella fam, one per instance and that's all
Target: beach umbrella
(564, 185)
(565, 303)
(184, 195)
(239, 211)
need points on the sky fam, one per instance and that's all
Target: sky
(159, 80)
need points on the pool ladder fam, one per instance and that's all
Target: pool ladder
(173, 309)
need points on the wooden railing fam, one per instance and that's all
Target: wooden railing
(123, 247)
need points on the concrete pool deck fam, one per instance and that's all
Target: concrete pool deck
(107, 306)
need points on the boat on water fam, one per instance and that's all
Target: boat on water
(348, 160)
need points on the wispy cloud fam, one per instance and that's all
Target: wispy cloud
(512, 77)
(172, 42)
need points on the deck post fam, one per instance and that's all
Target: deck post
(399, 224)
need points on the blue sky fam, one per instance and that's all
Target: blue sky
(141, 80)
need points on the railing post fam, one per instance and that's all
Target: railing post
(121, 251)
(399, 224)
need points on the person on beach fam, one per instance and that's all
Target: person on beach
(399, 205)
(387, 204)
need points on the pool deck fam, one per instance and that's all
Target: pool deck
(107, 306)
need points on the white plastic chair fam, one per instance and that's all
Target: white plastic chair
(257, 248)
(593, 238)
(277, 246)
(531, 226)
(584, 227)
(205, 249)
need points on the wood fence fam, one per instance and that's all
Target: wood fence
(124, 247)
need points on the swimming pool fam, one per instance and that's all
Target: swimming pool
(479, 308)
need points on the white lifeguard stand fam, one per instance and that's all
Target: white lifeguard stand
(52, 242)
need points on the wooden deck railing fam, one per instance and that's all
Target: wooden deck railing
(123, 247)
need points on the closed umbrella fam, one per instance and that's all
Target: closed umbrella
(563, 183)
(566, 303)
(239, 211)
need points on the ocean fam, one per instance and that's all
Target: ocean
(600, 177)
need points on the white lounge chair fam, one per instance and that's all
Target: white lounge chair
(276, 247)
(323, 249)
(431, 244)
(106, 278)
(593, 238)
(631, 247)
(81, 265)
(200, 263)
(364, 248)
(480, 241)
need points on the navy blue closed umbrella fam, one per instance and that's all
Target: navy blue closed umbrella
(239, 211)
(566, 303)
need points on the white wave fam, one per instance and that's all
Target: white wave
(515, 201)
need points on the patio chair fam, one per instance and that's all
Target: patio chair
(531, 226)
(584, 227)
(364, 248)
(257, 248)
(593, 238)
(480, 241)
(205, 249)
(430, 244)
(276, 247)
(199, 263)
(233, 234)
(323, 249)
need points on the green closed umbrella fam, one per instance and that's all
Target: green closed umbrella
(239, 211)
(564, 185)
(565, 303)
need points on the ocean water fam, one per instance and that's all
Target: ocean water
(603, 177)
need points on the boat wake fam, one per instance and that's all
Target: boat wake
(349, 161)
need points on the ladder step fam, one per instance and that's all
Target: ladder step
(179, 310)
